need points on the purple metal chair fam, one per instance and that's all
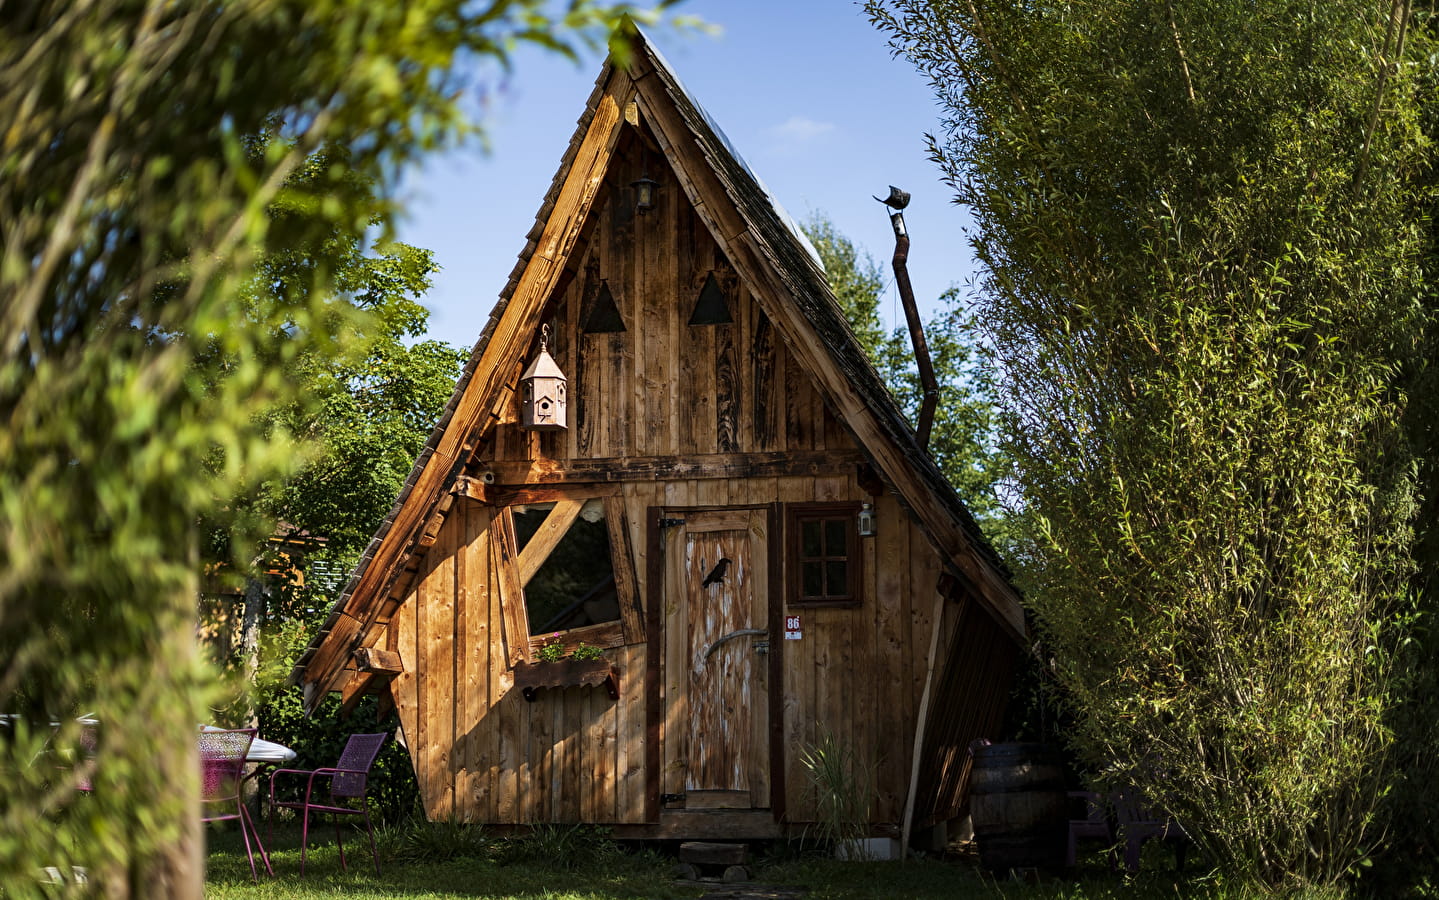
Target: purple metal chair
(348, 780)
(1092, 826)
(222, 774)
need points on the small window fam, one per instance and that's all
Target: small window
(824, 560)
(575, 585)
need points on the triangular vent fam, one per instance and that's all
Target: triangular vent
(604, 317)
(713, 307)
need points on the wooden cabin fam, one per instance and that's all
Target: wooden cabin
(730, 506)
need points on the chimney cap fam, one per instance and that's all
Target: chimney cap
(897, 198)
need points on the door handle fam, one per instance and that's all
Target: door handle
(709, 651)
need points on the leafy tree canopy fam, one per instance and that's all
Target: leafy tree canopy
(140, 363)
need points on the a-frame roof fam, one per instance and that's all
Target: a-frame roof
(778, 265)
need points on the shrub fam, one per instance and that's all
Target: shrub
(418, 840)
(584, 652)
(841, 788)
(569, 847)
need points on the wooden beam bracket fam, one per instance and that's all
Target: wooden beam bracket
(432, 530)
(473, 487)
(377, 661)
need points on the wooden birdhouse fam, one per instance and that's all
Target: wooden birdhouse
(542, 392)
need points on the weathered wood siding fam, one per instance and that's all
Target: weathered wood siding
(858, 673)
(663, 387)
(481, 751)
(659, 390)
(485, 754)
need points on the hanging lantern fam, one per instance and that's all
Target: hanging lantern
(644, 193)
(866, 520)
(542, 391)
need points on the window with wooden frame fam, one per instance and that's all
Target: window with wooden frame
(568, 575)
(823, 554)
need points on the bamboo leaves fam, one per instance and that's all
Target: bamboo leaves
(1201, 328)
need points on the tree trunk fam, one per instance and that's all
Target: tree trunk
(177, 870)
(257, 597)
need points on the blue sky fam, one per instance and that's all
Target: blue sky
(807, 93)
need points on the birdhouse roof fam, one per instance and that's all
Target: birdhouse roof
(543, 366)
(765, 246)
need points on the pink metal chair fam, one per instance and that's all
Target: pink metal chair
(348, 781)
(222, 774)
(89, 742)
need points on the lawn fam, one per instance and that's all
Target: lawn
(436, 861)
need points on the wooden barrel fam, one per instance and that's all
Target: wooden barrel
(1019, 807)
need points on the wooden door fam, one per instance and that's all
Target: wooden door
(716, 675)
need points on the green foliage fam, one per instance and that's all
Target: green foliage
(140, 368)
(419, 840)
(856, 279)
(368, 418)
(1201, 228)
(1410, 865)
(841, 787)
(552, 650)
(962, 439)
(569, 848)
(584, 652)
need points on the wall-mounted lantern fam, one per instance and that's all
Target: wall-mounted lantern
(644, 193)
(543, 391)
(866, 520)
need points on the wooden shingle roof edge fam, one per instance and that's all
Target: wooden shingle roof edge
(759, 237)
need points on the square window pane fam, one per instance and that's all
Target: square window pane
(834, 575)
(811, 541)
(812, 579)
(834, 537)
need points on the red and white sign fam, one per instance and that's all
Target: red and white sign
(792, 631)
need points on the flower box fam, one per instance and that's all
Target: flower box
(563, 673)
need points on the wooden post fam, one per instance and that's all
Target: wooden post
(920, 720)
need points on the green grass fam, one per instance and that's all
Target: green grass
(463, 875)
(437, 861)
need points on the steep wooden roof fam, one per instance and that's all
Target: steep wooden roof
(780, 268)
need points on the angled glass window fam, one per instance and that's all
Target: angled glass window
(567, 574)
(574, 585)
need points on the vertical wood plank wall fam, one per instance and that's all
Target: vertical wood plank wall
(970, 697)
(484, 754)
(660, 388)
(663, 387)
